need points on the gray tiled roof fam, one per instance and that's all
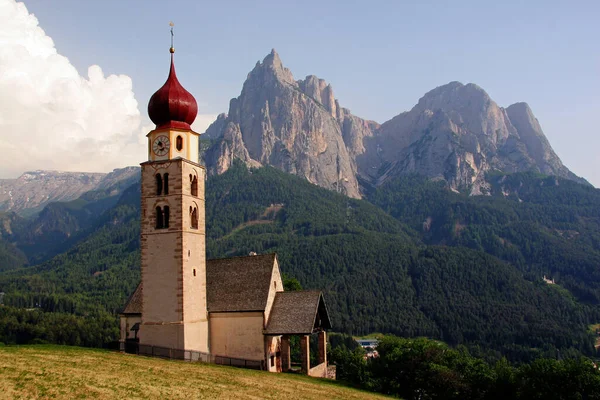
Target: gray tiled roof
(239, 283)
(232, 284)
(134, 304)
(298, 313)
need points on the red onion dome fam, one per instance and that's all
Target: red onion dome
(172, 106)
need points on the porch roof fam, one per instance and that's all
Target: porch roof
(298, 313)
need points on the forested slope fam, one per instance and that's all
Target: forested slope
(380, 272)
(541, 225)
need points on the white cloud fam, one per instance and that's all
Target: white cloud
(53, 118)
(203, 121)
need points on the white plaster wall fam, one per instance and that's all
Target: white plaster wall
(237, 335)
(126, 322)
(272, 347)
(275, 286)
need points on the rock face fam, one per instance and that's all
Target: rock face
(530, 133)
(455, 132)
(33, 190)
(458, 133)
(296, 126)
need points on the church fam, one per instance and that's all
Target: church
(229, 311)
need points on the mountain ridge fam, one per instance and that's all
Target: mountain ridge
(455, 133)
(33, 190)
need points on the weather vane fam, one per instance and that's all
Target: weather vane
(172, 49)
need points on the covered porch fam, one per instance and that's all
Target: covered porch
(302, 314)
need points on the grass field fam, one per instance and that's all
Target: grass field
(73, 372)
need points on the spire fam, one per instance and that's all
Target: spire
(172, 106)
(172, 49)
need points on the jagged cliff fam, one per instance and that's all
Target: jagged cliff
(458, 133)
(455, 132)
(296, 126)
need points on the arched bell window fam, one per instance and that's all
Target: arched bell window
(166, 216)
(193, 217)
(194, 185)
(179, 143)
(159, 185)
(166, 181)
(159, 218)
(162, 217)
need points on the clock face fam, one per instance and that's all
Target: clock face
(161, 145)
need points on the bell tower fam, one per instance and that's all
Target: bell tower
(173, 255)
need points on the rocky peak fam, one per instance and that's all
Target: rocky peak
(270, 71)
(320, 91)
(523, 120)
(458, 133)
(531, 134)
(471, 109)
(294, 126)
(455, 132)
(454, 98)
(522, 116)
(216, 128)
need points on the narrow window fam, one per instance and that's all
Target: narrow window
(166, 179)
(195, 186)
(179, 143)
(195, 218)
(166, 216)
(159, 185)
(159, 218)
(194, 271)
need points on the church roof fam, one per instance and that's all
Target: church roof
(298, 313)
(239, 283)
(172, 106)
(232, 284)
(134, 304)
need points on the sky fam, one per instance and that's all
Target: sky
(76, 76)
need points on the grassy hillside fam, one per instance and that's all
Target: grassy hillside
(72, 372)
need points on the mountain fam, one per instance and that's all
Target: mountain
(29, 193)
(295, 126)
(458, 134)
(59, 224)
(417, 256)
(455, 133)
(413, 264)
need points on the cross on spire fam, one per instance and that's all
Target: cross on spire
(172, 49)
